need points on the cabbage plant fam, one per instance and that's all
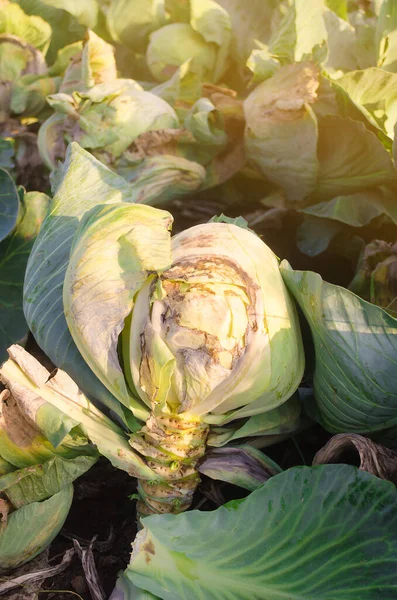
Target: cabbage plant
(188, 339)
(42, 452)
(170, 138)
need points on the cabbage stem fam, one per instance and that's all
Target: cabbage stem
(172, 446)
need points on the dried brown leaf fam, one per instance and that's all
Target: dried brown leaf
(374, 458)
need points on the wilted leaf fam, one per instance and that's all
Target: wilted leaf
(61, 412)
(243, 465)
(32, 528)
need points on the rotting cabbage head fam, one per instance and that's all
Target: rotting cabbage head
(105, 119)
(210, 329)
(220, 321)
(18, 61)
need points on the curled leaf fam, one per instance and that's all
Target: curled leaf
(244, 466)
(374, 458)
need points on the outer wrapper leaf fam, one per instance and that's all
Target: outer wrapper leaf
(82, 183)
(341, 43)
(213, 23)
(386, 36)
(17, 58)
(314, 533)
(301, 32)
(106, 119)
(114, 250)
(351, 158)
(357, 209)
(339, 7)
(355, 379)
(6, 154)
(181, 90)
(93, 64)
(281, 129)
(84, 12)
(14, 253)
(33, 484)
(125, 590)
(262, 64)
(374, 91)
(68, 19)
(29, 95)
(32, 528)
(9, 204)
(280, 421)
(172, 45)
(159, 179)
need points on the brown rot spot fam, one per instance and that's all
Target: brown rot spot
(148, 548)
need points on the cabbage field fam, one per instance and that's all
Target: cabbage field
(198, 299)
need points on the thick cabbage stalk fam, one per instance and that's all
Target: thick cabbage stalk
(209, 333)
